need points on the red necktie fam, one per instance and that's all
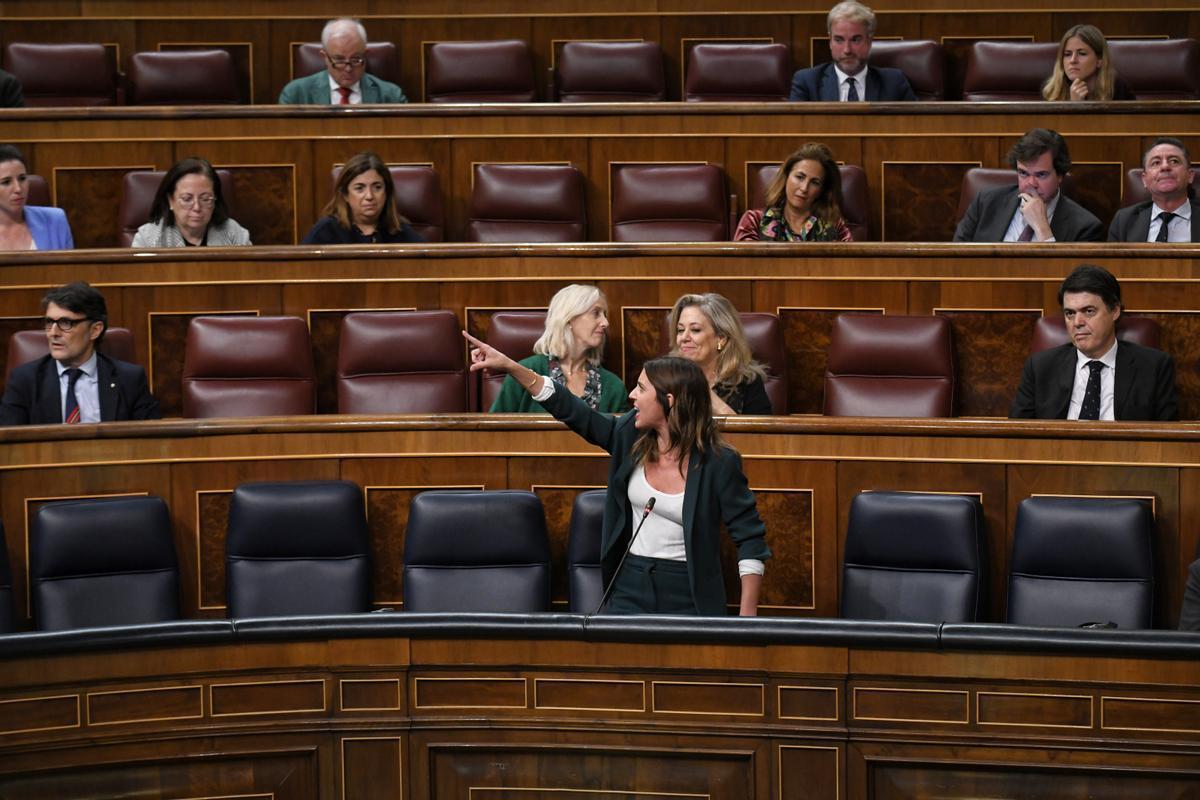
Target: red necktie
(345, 93)
(1026, 235)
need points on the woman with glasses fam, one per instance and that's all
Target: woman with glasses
(25, 227)
(363, 208)
(188, 211)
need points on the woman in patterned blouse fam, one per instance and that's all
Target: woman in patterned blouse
(804, 202)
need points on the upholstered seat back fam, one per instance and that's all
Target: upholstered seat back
(922, 61)
(1008, 70)
(381, 60)
(1051, 332)
(724, 73)
(1158, 69)
(856, 200)
(610, 72)
(183, 77)
(479, 72)
(25, 346)
(37, 192)
(669, 203)
(63, 74)
(512, 333)
(527, 203)
(585, 586)
(137, 196)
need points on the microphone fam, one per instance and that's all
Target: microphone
(613, 580)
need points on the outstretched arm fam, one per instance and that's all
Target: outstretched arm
(484, 356)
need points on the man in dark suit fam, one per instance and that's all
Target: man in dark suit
(1095, 376)
(345, 81)
(851, 27)
(11, 95)
(74, 383)
(1170, 215)
(1189, 614)
(1035, 210)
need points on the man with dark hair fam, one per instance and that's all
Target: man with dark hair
(1171, 213)
(851, 27)
(1095, 376)
(74, 383)
(1034, 210)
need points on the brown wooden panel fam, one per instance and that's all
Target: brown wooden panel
(990, 348)
(920, 200)
(365, 694)
(145, 705)
(1098, 186)
(1149, 714)
(168, 336)
(557, 502)
(809, 703)
(1181, 338)
(96, 189)
(810, 772)
(741, 699)
(372, 767)
(790, 581)
(1036, 709)
(892, 705)
(580, 694)
(34, 714)
(806, 334)
(470, 693)
(212, 517)
(268, 697)
(266, 202)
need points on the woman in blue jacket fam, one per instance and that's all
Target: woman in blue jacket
(24, 227)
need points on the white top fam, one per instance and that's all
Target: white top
(860, 83)
(335, 97)
(662, 533)
(1108, 380)
(1180, 227)
(87, 390)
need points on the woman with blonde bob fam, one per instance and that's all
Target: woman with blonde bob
(708, 331)
(1083, 69)
(363, 208)
(569, 352)
(804, 202)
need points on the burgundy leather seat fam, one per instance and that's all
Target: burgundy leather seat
(183, 77)
(980, 179)
(37, 193)
(381, 60)
(512, 333)
(479, 72)
(669, 203)
(63, 74)
(137, 195)
(855, 195)
(889, 366)
(724, 73)
(527, 203)
(610, 72)
(1158, 69)
(401, 362)
(248, 367)
(1008, 70)
(1051, 332)
(26, 346)
(418, 198)
(922, 61)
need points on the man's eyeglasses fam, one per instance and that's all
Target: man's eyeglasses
(342, 63)
(187, 200)
(65, 324)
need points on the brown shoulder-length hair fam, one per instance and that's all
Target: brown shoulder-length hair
(160, 209)
(828, 207)
(1057, 87)
(690, 424)
(338, 207)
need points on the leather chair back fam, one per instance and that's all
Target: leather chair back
(183, 78)
(37, 193)
(527, 203)
(381, 60)
(418, 197)
(63, 74)
(585, 587)
(1051, 332)
(473, 551)
(248, 367)
(1079, 560)
(479, 72)
(296, 548)
(730, 73)
(980, 179)
(512, 333)
(855, 195)
(1008, 70)
(7, 614)
(922, 61)
(26, 346)
(1158, 69)
(914, 558)
(610, 72)
(137, 195)
(669, 203)
(889, 366)
(401, 362)
(98, 563)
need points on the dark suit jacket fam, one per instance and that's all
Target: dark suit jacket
(1145, 387)
(32, 396)
(990, 212)
(11, 95)
(884, 84)
(314, 90)
(1132, 223)
(716, 491)
(1189, 615)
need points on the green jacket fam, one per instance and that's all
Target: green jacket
(314, 90)
(513, 399)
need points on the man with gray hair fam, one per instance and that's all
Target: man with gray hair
(851, 27)
(345, 81)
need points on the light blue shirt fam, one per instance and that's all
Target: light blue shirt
(87, 390)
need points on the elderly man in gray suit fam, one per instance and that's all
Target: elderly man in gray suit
(345, 81)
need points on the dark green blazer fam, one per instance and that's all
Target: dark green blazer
(314, 90)
(716, 491)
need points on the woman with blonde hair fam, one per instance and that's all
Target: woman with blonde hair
(709, 332)
(569, 352)
(804, 202)
(1083, 69)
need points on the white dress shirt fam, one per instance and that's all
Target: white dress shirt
(1180, 227)
(1108, 381)
(87, 390)
(1016, 225)
(860, 83)
(335, 97)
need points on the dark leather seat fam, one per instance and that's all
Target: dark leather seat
(476, 551)
(512, 333)
(914, 558)
(37, 193)
(479, 72)
(418, 198)
(669, 203)
(297, 547)
(7, 615)
(922, 61)
(1008, 70)
(382, 61)
(248, 367)
(183, 78)
(1051, 332)
(889, 366)
(25, 346)
(610, 72)
(527, 203)
(855, 195)
(98, 563)
(401, 362)
(137, 196)
(725, 73)
(63, 74)
(585, 587)
(1134, 190)
(981, 179)
(1079, 560)
(1158, 69)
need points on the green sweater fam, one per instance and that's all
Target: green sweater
(514, 399)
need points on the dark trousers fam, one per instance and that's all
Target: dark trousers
(652, 586)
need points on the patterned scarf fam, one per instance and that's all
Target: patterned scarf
(591, 389)
(774, 227)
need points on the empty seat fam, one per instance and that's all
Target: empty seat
(1158, 69)
(98, 563)
(137, 196)
(981, 179)
(418, 198)
(527, 203)
(479, 72)
(37, 193)
(889, 366)
(183, 78)
(512, 333)
(914, 557)
(382, 61)
(476, 551)
(1008, 70)
(1077, 560)
(247, 367)
(669, 203)
(401, 362)
(297, 547)
(610, 72)
(26, 346)
(725, 73)
(922, 61)
(856, 200)
(585, 586)
(7, 615)
(63, 74)
(1051, 332)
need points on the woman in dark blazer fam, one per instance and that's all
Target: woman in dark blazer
(667, 449)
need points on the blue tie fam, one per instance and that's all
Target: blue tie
(71, 409)
(1090, 408)
(852, 95)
